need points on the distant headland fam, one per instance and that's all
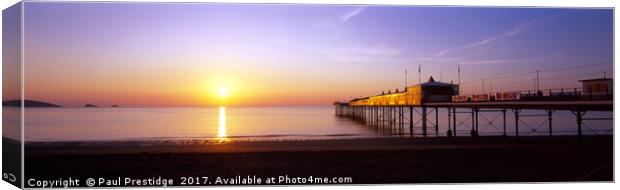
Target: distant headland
(28, 103)
(91, 106)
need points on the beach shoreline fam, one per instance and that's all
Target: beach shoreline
(214, 145)
(366, 161)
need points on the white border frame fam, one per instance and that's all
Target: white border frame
(509, 3)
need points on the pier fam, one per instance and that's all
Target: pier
(419, 110)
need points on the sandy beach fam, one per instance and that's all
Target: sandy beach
(366, 161)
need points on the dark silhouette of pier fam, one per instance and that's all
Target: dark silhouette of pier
(396, 114)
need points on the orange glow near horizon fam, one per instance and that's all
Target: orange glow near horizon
(195, 85)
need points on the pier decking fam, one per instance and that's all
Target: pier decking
(397, 116)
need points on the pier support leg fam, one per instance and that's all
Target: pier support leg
(579, 114)
(550, 114)
(436, 121)
(370, 119)
(424, 121)
(369, 114)
(382, 116)
(504, 113)
(476, 131)
(473, 122)
(402, 126)
(360, 113)
(454, 122)
(396, 118)
(388, 118)
(373, 116)
(391, 114)
(391, 118)
(411, 121)
(395, 112)
(377, 115)
(366, 120)
(449, 132)
(363, 114)
(400, 118)
(516, 112)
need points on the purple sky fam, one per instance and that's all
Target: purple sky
(302, 54)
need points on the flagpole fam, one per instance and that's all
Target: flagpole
(406, 94)
(459, 71)
(419, 74)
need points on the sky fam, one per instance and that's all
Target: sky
(11, 74)
(160, 55)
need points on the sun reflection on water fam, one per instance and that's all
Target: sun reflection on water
(221, 130)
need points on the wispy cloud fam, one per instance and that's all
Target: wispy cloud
(340, 19)
(518, 29)
(350, 14)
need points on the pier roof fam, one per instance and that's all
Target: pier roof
(597, 79)
(432, 82)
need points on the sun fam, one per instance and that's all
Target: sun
(220, 90)
(223, 92)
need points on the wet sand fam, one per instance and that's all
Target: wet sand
(366, 161)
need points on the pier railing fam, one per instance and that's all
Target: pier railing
(564, 94)
(559, 94)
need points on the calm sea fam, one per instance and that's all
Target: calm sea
(259, 123)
